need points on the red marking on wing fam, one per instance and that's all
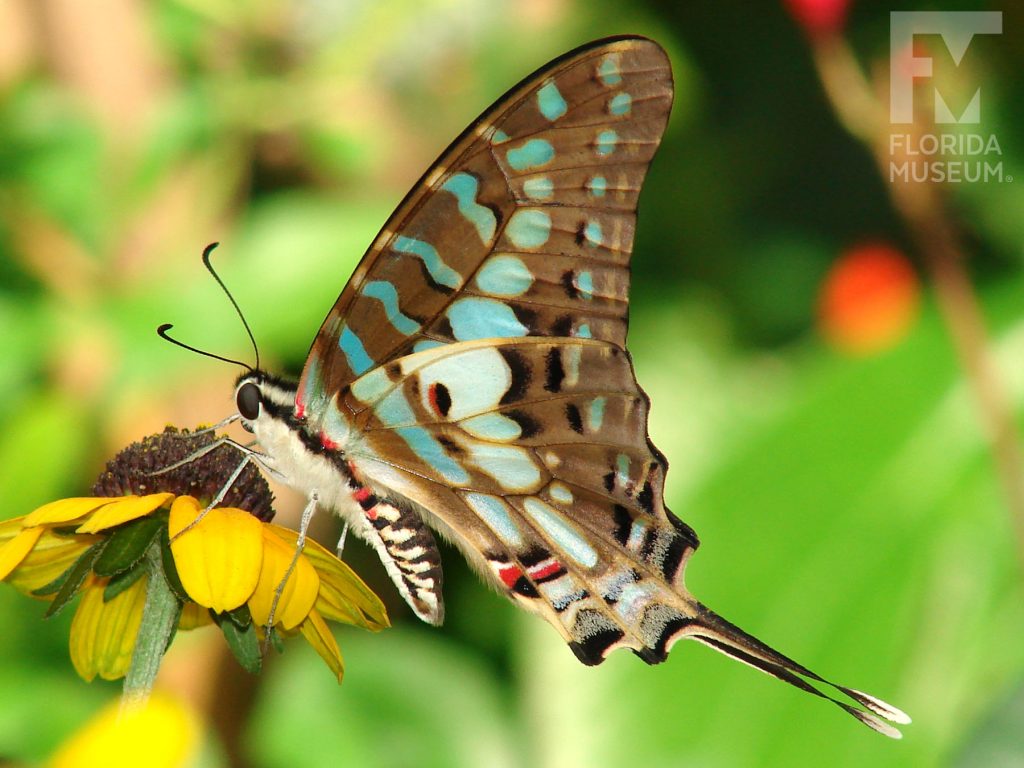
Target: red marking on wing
(361, 494)
(545, 569)
(432, 396)
(300, 410)
(327, 443)
(510, 574)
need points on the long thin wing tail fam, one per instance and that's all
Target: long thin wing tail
(714, 631)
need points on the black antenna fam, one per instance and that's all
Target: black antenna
(206, 261)
(162, 333)
(162, 330)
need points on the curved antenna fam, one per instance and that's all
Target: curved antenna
(209, 267)
(162, 333)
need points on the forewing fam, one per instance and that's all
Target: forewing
(523, 227)
(533, 455)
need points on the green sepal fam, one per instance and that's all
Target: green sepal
(126, 546)
(73, 578)
(243, 642)
(240, 616)
(170, 570)
(123, 580)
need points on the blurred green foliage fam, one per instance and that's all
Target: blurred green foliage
(849, 507)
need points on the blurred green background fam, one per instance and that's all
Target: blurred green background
(848, 505)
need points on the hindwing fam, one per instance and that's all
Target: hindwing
(533, 456)
(523, 227)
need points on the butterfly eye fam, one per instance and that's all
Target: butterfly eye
(248, 401)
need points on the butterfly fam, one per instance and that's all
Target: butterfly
(472, 379)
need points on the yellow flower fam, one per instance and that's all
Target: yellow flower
(165, 730)
(224, 565)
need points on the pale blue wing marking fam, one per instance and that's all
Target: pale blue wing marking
(504, 276)
(354, 351)
(495, 513)
(477, 318)
(385, 293)
(465, 187)
(532, 154)
(561, 532)
(439, 272)
(550, 101)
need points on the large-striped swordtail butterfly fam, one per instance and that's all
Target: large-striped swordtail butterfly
(473, 379)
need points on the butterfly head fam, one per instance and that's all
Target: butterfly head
(259, 396)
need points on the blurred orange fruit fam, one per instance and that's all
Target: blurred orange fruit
(869, 299)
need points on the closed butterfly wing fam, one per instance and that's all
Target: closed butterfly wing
(532, 455)
(523, 227)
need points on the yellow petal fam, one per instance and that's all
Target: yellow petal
(162, 734)
(318, 635)
(123, 510)
(14, 551)
(103, 634)
(194, 616)
(9, 528)
(50, 557)
(219, 558)
(343, 595)
(299, 593)
(65, 510)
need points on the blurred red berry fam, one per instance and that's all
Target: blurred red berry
(819, 17)
(869, 299)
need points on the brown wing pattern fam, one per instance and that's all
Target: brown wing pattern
(523, 227)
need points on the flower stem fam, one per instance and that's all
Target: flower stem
(159, 621)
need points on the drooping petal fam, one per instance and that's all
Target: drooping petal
(343, 596)
(162, 734)
(318, 635)
(123, 510)
(194, 616)
(103, 634)
(13, 551)
(299, 594)
(65, 510)
(51, 556)
(220, 557)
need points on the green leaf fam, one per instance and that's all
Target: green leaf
(126, 546)
(170, 571)
(75, 577)
(243, 642)
(123, 580)
(240, 616)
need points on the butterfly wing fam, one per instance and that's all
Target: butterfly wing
(532, 455)
(523, 227)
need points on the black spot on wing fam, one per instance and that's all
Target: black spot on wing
(529, 426)
(623, 523)
(521, 374)
(569, 285)
(533, 556)
(441, 398)
(554, 371)
(581, 229)
(524, 587)
(596, 635)
(646, 498)
(572, 415)
(562, 325)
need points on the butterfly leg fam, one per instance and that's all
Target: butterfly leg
(300, 543)
(341, 539)
(206, 430)
(250, 456)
